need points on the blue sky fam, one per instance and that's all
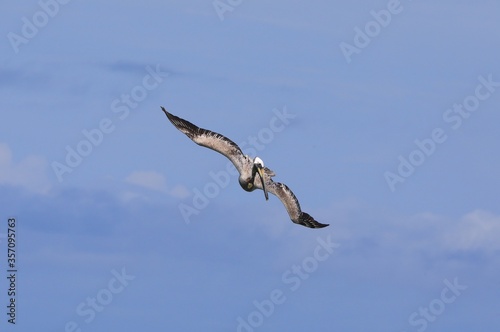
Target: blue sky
(381, 116)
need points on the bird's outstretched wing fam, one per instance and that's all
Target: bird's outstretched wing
(209, 139)
(292, 205)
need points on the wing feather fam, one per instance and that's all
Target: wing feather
(292, 205)
(209, 139)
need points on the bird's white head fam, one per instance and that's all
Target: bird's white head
(259, 167)
(258, 161)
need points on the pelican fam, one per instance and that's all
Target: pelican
(253, 173)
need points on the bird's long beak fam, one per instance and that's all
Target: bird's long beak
(261, 174)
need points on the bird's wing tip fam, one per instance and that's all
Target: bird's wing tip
(306, 220)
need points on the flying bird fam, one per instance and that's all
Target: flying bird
(253, 173)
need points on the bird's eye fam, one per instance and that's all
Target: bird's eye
(250, 185)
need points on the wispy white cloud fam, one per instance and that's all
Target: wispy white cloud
(148, 179)
(423, 238)
(29, 173)
(154, 181)
(180, 191)
(128, 195)
(477, 230)
(474, 232)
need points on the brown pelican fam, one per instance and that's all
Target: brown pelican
(248, 169)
